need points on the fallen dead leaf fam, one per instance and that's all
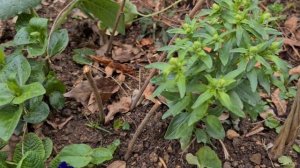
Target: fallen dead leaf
(291, 23)
(295, 70)
(117, 66)
(291, 42)
(269, 112)
(102, 50)
(121, 106)
(108, 71)
(148, 93)
(82, 92)
(146, 42)
(124, 53)
(121, 78)
(231, 134)
(281, 105)
(207, 49)
(117, 164)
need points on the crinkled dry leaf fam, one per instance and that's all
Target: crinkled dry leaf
(117, 66)
(82, 92)
(123, 53)
(295, 70)
(291, 23)
(117, 164)
(121, 106)
(121, 78)
(231, 134)
(108, 71)
(280, 104)
(102, 50)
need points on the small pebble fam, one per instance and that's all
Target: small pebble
(256, 158)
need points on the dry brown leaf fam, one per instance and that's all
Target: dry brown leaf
(146, 42)
(82, 92)
(121, 106)
(207, 49)
(148, 93)
(291, 42)
(102, 50)
(269, 112)
(117, 66)
(231, 134)
(281, 105)
(291, 23)
(108, 71)
(124, 53)
(117, 164)
(295, 70)
(121, 78)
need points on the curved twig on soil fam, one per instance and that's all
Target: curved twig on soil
(140, 128)
(162, 57)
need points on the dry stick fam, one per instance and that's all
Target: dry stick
(289, 130)
(162, 57)
(88, 74)
(109, 47)
(140, 128)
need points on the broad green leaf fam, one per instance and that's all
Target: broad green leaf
(31, 159)
(181, 84)
(16, 64)
(6, 95)
(235, 99)
(48, 147)
(201, 136)
(178, 127)
(225, 100)
(208, 158)
(202, 98)
(178, 107)
(252, 77)
(272, 122)
(81, 56)
(31, 142)
(130, 12)
(57, 100)
(246, 95)
(58, 42)
(214, 127)
(29, 91)
(22, 37)
(37, 113)
(76, 155)
(52, 84)
(105, 10)
(23, 20)
(9, 118)
(35, 50)
(198, 113)
(38, 71)
(13, 7)
(193, 160)
(101, 155)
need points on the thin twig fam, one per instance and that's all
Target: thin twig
(120, 12)
(88, 74)
(162, 57)
(226, 153)
(140, 129)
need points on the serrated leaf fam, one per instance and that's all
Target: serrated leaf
(13, 7)
(9, 119)
(214, 127)
(58, 42)
(32, 143)
(31, 159)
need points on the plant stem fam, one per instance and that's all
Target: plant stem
(140, 128)
(120, 12)
(162, 57)
(88, 74)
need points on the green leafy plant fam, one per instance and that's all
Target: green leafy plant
(205, 158)
(13, 7)
(219, 63)
(286, 162)
(23, 84)
(81, 155)
(30, 152)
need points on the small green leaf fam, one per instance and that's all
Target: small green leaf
(193, 160)
(57, 100)
(272, 122)
(81, 56)
(2, 58)
(198, 113)
(29, 91)
(202, 98)
(48, 147)
(118, 123)
(296, 148)
(52, 84)
(158, 65)
(58, 42)
(239, 35)
(37, 113)
(181, 84)
(6, 95)
(178, 107)
(201, 136)
(126, 126)
(178, 127)
(9, 119)
(286, 161)
(252, 77)
(208, 158)
(101, 155)
(214, 127)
